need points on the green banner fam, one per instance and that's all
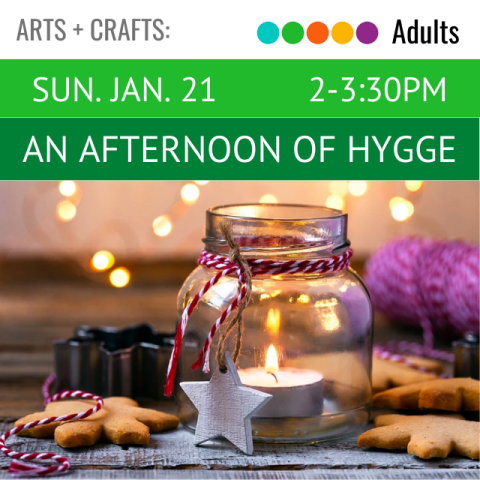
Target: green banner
(239, 88)
(239, 148)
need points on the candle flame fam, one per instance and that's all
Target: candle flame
(271, 364)
(273, 321)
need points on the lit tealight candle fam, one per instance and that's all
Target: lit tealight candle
(295, 392)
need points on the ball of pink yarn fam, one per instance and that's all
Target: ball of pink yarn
(420, 281)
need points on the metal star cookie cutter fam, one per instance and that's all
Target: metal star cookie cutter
(130, 362)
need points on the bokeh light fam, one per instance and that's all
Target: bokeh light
(357, 187)
(120, 277)
(413, 185)
(268, 198)
(202, 182)
(401, 208)
(395, 201)
(67, 188)
(66, 210)
(339, 187)
(102, 260)
(190, 193)
(336, 202)
(162, 226)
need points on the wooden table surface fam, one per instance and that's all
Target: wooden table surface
(33, 315)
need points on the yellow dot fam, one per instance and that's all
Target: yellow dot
(342, 32)
(401, 209)
(268, 198)
(120, 277)
(162, 226)
(190, 193)
(202, 182)
(67, 188)
(66, 210)
(102, 260)
(413, 185)
(339, 188)
(357, 188)
(336, 202)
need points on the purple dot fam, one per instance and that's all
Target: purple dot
(367, 33)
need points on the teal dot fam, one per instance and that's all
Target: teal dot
(292, 33)
(268, 33)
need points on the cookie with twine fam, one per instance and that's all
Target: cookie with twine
(120, 421)
(69, 418)
(398, 363)
(388, 374)
(19, 466)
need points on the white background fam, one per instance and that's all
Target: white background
(227, 29)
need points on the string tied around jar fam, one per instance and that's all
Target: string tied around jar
(244, 282)
(245, 269)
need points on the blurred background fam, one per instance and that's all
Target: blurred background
(165, 220)
(116, 253)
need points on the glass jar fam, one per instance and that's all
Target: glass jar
(318, 327)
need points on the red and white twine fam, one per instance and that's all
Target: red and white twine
(19, 466)
(226, 267)
(385, 285)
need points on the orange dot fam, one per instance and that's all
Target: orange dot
(317, 33)
(342, 32)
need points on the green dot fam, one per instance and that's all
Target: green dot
(292, 32)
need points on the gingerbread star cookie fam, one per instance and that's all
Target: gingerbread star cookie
(452, 394)
(387, 374)
(120, 421)
(425, 436)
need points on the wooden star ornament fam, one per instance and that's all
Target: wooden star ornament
(225, 407)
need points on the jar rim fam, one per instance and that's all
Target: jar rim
(328, 213)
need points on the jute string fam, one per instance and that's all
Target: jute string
(236, 257)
